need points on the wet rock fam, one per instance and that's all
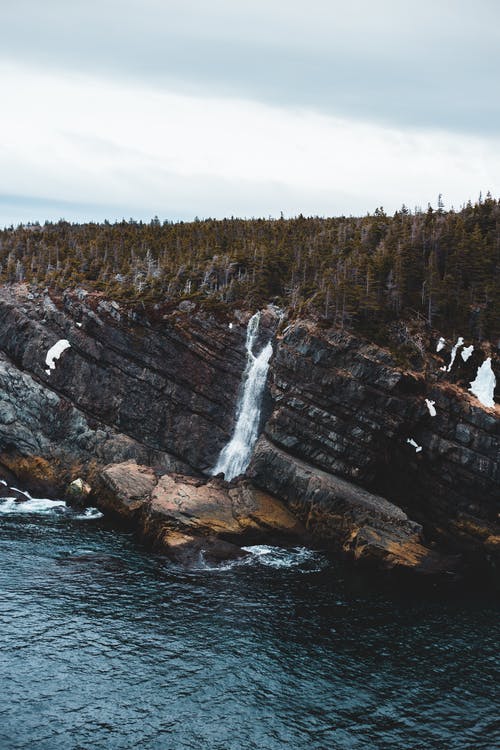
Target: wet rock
(77, 492)
(236, 512)
(19, 496)
(192, 551)
(345, 406)
(124, 488)
(395, 549)
(186, 516)
(365, 526)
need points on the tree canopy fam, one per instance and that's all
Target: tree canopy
(358, 272)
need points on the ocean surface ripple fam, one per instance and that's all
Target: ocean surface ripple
(106, 646)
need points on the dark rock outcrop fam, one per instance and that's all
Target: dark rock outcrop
(160, 390)
(358, 522)
(345, 407)
(170, 387)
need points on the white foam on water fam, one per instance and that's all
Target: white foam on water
(301, 559)
(89, 514)
(10, 505)
(308, 560)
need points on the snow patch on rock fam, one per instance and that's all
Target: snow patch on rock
(54, 353)
(467, 352)
(459, 343)
(431, 407)
(414, 444)
(440, 344)
(483, 387)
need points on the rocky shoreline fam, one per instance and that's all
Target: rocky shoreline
(350, 456)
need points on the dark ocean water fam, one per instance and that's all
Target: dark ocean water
(104, 645)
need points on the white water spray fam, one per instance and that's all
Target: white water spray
(235, 456)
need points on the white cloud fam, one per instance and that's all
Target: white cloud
(143, 151)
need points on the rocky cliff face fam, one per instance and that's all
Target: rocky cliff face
(166, 392)
(345, 407)
(161, 390)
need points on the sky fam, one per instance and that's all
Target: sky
(136, 108)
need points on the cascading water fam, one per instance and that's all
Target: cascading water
(235, 456)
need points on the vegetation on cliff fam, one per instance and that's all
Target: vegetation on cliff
(356, 272)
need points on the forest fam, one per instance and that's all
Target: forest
(355, 272)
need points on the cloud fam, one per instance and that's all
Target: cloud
(430, 65)
(89, 146)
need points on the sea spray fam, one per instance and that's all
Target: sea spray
(235, 456)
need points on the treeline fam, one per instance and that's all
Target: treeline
(359, 272)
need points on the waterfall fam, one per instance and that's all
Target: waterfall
(235, 456)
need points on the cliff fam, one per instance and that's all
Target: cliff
(161, 389)
(344, 406)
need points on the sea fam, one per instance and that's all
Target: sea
(106, 646)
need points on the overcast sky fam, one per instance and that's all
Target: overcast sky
(123, 108)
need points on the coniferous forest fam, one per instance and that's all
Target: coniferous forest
(361, 273)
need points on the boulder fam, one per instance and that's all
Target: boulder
(77, 492)
(123, 489)
(193, 551)
(236, 512)
(193, 519)
(363, 525)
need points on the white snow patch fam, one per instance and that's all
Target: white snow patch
(459, 343)
(79, 325)
(54, 353)
(431, 407)
(2, 481)
(440, 344)
(467, 352)
(483, 387)
(412, 442)
(230, 326)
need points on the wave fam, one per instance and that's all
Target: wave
(10, 505)
(14, 506)
(307, 560)
(301, 559)
(89, 514)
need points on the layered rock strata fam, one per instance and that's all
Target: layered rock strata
(346, 426)
(345, 407)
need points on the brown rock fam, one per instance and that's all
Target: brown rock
(124, 488)
(190, 550)
(390, 549)
(366, 526)
(190, 518)
(238, 513)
